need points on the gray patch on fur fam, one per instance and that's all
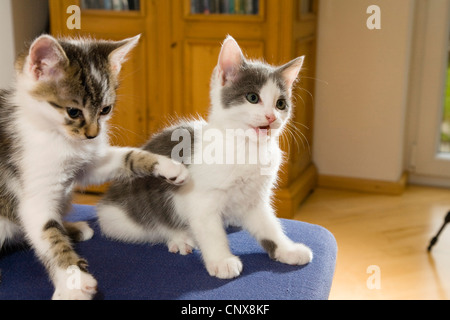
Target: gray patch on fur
(163, 144)
(249, 79)
(148, 200)
(270, 247)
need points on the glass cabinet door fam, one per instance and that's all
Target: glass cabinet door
(117, 5)
(225, 7)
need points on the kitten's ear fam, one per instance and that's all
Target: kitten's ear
(230, 59)
(46, 59)
(118, 56)
(290, 71)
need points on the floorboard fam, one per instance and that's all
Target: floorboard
(382, 242)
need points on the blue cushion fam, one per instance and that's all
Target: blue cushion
(143, 271)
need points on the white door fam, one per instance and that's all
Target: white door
(430, 161)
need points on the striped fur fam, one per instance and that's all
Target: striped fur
(53, 135)
(61, 249)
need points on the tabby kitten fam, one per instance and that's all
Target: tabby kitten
(247, 97)
(53, 134)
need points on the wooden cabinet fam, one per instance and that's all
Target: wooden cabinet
(168, 74)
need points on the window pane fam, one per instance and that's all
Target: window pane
(445, 126)
(224, 6)
(118, 5)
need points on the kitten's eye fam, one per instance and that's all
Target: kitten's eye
(252, 97)
(281, 104)
(106, 110)
(74, 113)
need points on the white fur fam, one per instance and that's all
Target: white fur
(232, 192)
(51, 164)
(218, 193)
(115, 222)
(73, 284)
(51, 161)
(9, 231)
(235, 192)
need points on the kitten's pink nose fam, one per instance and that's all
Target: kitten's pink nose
(271, 118)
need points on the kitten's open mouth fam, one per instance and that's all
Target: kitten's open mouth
(262, 130)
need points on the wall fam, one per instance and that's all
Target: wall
(30, 19)
(7, 53)
(361, 92)
(20, 22)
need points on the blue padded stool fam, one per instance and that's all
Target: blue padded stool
(143, 271)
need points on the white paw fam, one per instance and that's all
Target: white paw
(294, 254)
(227, 268)
(174, 172)
(86, 231)
(183, 246)
(74, 284)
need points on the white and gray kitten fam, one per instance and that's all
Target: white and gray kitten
(54, 134)
(247, 97)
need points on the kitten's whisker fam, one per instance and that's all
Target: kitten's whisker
(315, 79)
(309, 93)
(285, 141)
(301, 124)
(129, 74)
(304, 103)
(293, 137)
(293, 133)
(300, 134)
(120, 133)
(295, 130)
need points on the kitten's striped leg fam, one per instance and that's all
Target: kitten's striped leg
(144, 163)
(52, 245)
(72, 280)
(119, 163)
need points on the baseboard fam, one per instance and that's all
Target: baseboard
(364, 185)
(429, 181)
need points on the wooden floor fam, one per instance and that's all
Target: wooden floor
(382, 241)
(385, 236)
(85, 198)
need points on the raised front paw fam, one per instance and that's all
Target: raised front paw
(227, 268)
(74, 284)
(294, 254)
(174, 172)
